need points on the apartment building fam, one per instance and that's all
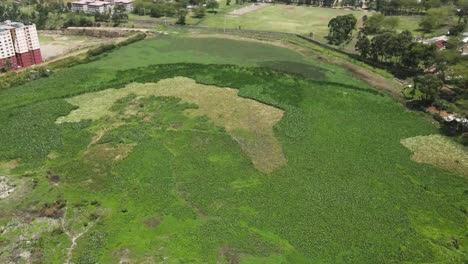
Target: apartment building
(102, 7)
(19, 45)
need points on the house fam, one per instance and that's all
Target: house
(435, 39)
(79, 6)
(100, 7)
(19, 45)
(440, 44)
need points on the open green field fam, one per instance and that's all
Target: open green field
(208, 150)
(284, 18)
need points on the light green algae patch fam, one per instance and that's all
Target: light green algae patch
(439, 151)
(247, 121)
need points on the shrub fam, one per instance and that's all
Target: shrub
(133, 39)
(101, 49)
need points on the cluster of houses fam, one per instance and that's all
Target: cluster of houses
(441, 41)
(101, 7)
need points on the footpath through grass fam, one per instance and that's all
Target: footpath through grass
(149, 183)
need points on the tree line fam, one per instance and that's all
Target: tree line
(177, 9)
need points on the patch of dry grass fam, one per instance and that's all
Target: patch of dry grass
(438, 151)
(7, 166)
(249, 122)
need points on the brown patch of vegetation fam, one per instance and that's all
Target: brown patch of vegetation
(54, 179)
(229, 255)
(248, 121)
(375, 80)
(107, 152)
(53, 210)
(152, 222)
(6, 167)
(438, 151)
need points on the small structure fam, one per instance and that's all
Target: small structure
(457, 122)
(440, 44)
(464, 50)
(435, 39)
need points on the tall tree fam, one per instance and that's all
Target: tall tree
(363, 45)
(429, 85)
(340, 29)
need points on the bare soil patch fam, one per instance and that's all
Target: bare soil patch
(55, 44)
(53, 210)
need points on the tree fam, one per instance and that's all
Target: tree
(373, 24)
(199, 12)
(416, 53)
(212, 4)
(429, 85)
(157, 10)
(363, 46)
(428, 4)
(462, 11)
(181, 13)
(340, 29)
(119, 15)
(457, 29)
(436, 18)
(427, 24)
(391, 23)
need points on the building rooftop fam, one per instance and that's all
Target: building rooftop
(7, 25)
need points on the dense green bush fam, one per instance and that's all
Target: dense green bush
(101, 49)
(133, 39)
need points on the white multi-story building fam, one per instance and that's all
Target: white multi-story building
(7, 48)
(80, 6)
(102, 7)
(19, 45)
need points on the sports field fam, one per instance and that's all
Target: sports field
(284, 18)
(209, 150)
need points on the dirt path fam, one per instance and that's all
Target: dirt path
(73, 237)
(379, 82)
(248, 9)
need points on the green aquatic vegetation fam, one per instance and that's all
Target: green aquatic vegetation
(155, 184)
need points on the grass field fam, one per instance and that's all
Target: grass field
(150, 172)
(284, 18)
